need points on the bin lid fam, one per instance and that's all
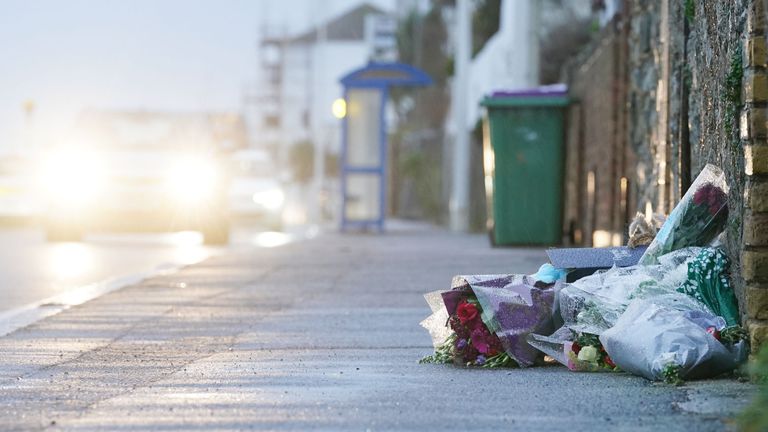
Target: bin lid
(552, 95)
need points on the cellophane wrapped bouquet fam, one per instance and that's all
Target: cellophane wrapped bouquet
(484, 320)
(696, 220)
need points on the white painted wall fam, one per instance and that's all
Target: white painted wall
(310, 82)
(510, 59)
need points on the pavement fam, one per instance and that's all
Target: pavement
(320, 334)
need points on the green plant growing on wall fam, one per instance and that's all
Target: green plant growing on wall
(690, 10)
(732, 95)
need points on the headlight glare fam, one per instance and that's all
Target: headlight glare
(192, 180)
(71, 177)
(271, 199)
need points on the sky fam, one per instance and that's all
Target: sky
(180, 55)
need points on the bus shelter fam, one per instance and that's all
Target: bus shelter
(364, 141)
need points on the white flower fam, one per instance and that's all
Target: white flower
(588, 354)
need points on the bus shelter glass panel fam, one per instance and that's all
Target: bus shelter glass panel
(363, 197)
(364, 127)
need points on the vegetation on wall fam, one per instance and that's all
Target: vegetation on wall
(732, 94)
(690, 10)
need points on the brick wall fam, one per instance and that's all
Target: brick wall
(754, 258)
(598, 158)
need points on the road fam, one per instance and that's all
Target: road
(33, 271)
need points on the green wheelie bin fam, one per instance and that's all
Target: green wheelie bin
(523, 158)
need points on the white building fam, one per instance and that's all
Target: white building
(300, 77)
(510, 58)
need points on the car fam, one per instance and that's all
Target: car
(256, 192)
(141, 177)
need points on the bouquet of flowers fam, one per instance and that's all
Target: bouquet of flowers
(660, 343)
(485, 320)
(696, 220)
(586, 353)
(581, 352)
(470, 343)
(708, 283)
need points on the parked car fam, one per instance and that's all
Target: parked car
(256, 192)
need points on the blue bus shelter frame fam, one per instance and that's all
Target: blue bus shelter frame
(381, 77)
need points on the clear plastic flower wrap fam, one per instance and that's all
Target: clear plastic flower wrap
(515, 310)
(652, 339)
(578, 352)
(594, 303)
(435, 324)
(696, 220)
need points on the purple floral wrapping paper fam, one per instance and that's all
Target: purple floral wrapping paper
(512, 307)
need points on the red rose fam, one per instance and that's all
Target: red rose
(608, 361)
(701, 196)
(466, 312)
(713, 331)
(575, 348)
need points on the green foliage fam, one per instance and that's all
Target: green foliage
(671, 374)
(425, 181)
(687, 77)
(594, 27)
(417, 143)
(421, 42)
(732, 94)
(733, 334)
(444, 353)
(588, 339)
(690, 10)
(755, 417)
(500, 360)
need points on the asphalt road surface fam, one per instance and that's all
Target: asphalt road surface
(33, 271)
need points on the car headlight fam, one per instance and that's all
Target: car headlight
(192, 179)
(70, 177)
(270, 199)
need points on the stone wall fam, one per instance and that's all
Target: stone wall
(696, 93)
(644, 20)
(707, 105)
(705, 56)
